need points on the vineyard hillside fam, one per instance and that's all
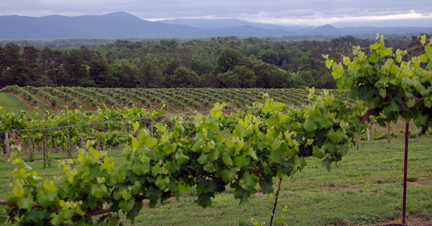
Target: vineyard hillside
(176, 101)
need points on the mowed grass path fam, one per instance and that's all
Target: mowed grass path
(12, 103)
(364, 189)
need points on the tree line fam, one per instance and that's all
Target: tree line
(223, 62)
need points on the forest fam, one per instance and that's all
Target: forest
(222, 62)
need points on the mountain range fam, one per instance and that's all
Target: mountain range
(125, 25)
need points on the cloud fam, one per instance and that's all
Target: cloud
(277, 11)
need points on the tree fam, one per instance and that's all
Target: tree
(75, 66)
(185, 77)
(12, 54)
(229, 79)
(227, 60)
(149, 76)
(296, 81)
(30, 55)
(246, 76)
(98, 71)
(267, 75)
(269, 56)
(201, 67)
(19, 73)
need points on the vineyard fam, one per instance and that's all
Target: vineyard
(227, 140)
(176, 100)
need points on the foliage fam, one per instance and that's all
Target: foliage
(263, 144)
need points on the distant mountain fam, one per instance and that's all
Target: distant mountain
(247, 30)
(113, 25)
(209, 24)
(326, 30)
(124, 25)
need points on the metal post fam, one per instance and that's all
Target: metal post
(367, 131)
(70, 147)
(358, 140)
(388, 132)
(30, 147)
(82, 141)
(7, 144)
(405, 174)
(44, 150)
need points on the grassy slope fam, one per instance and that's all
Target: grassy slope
(11, 103)
(366, 188)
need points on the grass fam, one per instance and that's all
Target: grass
(364, 189)
(11, 103)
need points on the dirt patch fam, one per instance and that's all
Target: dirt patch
(415, 184)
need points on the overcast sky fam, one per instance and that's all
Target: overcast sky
(314, 12)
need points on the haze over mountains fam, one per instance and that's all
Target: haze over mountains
(125, 25)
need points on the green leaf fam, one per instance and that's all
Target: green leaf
(156, 170)
(299, 161)
(25, 202)
(216, 111)
(310, 124)
(239, 131)
(203, 159)
(56, 219)
(170, 148)
(99, 191)
(420, 120)
(204, 199)
(334, 136)
(329, 63)
(227, 160)
(242, 161)
(18, 191)
(392, 107)
(210, 167)
(184, 187)
(374, 57)
(318, 152)
(45, 199)
(140, 169)
(162, 182)
(135, 125)
(250, 179)
(181, 158)
(127, 206)
(382, 93)
(228, 174)
(213, 155)
(242, 194)
(197, 145)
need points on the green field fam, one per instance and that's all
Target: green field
(176, 100)
(364, 189)
(11, 103)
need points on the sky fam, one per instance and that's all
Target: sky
(312, 12)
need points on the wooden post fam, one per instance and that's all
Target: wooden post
(416, 129)
(82, 141)
(70, 147)
(7, 144)
(30, 147)
(358, 140)
(388, 133)
(151, 128)
(99, 145)
(44, 150)
(367, 133)
(13, 134)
